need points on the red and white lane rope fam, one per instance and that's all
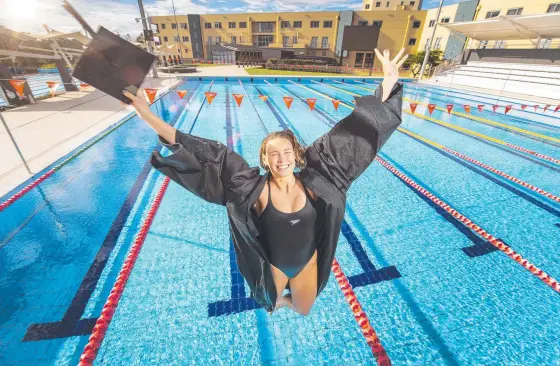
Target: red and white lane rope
(543, 276)
(26, 189)
(505, 175)
(98, 334)
(367, 330)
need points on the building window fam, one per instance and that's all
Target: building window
(208, 25)
(294, 40)
(388, 3)
(173, 25)
(378, 4)
(217, 25)
(492, 14)
(514, 11)
(369, 60)
(416, 24)
(402, 2)
(264, 41)
(209, 39)
(544, 43)
(377, 23)
(314, 24)
(500, 44)
(185, 39)
(165, 39)
(327, 24)
(218, 39)
(183, 25)
(325, 42)
(359, 60)
(438, 41)
(297, 24)
(285, 41)
(445, 20)
(367, 6)
(432, 23)
(324, 53)
(363, 23)
(163, 26)
(285, 24)
(412, 41)
(314, 41)
(232, 25)
(265, 27)
(412, 3)
(233, 40)
(483, 44)
(176, 39)
(242, 24)
(553, 8)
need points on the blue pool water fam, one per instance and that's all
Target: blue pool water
(63, 244)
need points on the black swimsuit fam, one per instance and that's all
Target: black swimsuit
(289, 238)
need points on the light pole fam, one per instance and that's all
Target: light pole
(145, 26)
(177, 29)
(429, 46)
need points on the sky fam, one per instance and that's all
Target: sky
(118, 16)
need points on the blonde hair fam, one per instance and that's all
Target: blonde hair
(299, 151)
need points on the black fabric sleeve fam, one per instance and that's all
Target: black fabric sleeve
(343, 153)
(207, 168)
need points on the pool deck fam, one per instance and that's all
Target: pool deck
(50, 129)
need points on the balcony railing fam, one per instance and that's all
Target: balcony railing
(317, 46)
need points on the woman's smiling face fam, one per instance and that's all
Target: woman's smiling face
(280, 157)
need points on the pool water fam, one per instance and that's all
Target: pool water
(434, 290)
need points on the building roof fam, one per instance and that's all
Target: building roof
(513, 27)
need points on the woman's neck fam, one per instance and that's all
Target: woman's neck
(285, 184)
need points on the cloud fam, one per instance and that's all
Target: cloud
(115, 16)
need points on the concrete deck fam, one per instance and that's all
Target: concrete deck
(51, 128)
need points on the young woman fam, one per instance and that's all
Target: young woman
(285, 225)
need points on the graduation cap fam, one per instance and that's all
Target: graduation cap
(110, 63)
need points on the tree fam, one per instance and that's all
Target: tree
(414, 61)
(140, 38)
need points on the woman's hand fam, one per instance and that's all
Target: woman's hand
(391, 67)
(390, 70)
(139, 102)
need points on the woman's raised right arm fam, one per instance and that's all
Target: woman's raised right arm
(166, 131)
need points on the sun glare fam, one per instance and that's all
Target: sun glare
(21, 10)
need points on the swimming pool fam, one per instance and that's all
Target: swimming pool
(415, 245)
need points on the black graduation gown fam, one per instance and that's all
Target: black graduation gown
(217, 174)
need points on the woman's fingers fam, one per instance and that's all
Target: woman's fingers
(399, 64)
(129, 95)
(398, 56)
(140, 92)
(378, 54)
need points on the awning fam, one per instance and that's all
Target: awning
(26, 37)
(512, 27)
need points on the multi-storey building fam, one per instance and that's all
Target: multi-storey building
(449, 42)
